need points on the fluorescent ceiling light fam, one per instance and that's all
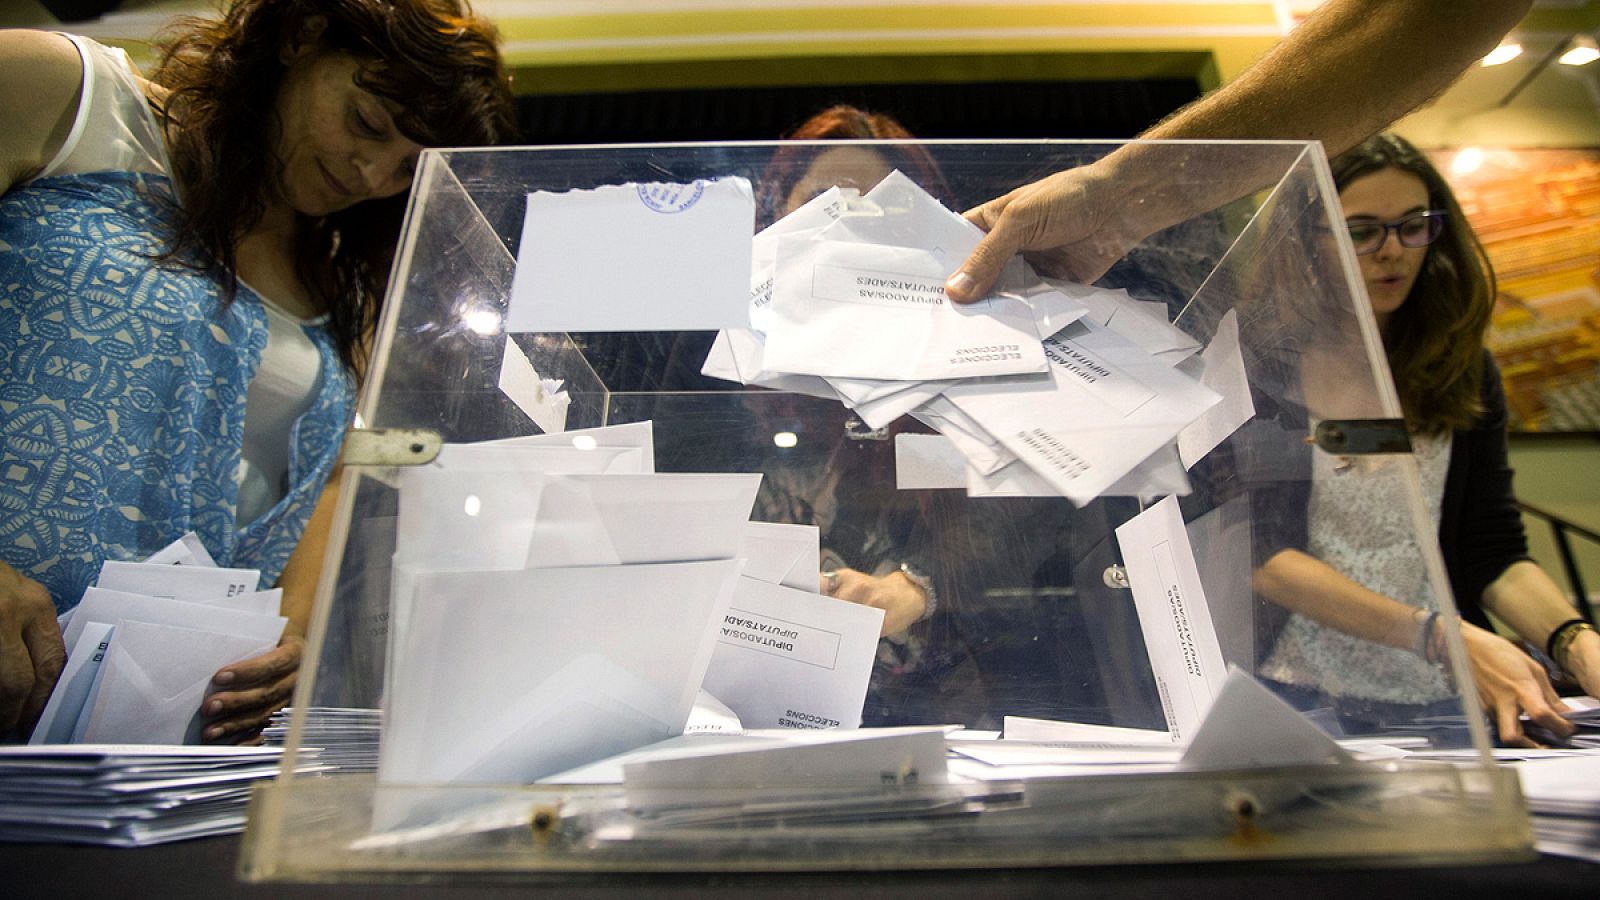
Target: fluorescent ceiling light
(1503, 54)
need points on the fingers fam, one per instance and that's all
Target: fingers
(982, 268)
(271, 666)
(239, 714)
(31, 653)
(43, 640)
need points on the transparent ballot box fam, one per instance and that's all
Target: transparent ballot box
(659, 547)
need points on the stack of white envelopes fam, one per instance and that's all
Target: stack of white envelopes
(130, 796)
(554, 601)
(144, 643)
(343, 738)
(1043, 388)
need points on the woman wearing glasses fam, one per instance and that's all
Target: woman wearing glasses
(1366, 638)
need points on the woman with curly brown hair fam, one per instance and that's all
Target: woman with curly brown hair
(190, 270)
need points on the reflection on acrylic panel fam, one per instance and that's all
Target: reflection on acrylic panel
(1538, 215)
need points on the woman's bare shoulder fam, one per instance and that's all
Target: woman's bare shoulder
(43, 75)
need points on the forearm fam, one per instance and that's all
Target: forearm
(1306, 585)
(1526, 598)
(1350, 69)
(304, 568)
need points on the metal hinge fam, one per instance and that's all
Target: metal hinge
(1360, 437)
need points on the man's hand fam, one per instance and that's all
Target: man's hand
(902, 602)
(1071, 225)
(31, 652)
(1511, 683)
(250, 691)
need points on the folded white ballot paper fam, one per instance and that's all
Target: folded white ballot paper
(1105, 408)
(1135, 321)
(154, 678)
(72, 691)
(784, 554)
(635, 257)
(812, 216)
(850, 310)
(982, 450)
(788, 658)
(598, 660)
(1179, 635)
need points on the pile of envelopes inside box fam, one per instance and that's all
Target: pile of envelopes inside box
(1044, 388)
(555, 601)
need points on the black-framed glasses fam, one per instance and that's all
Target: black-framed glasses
(1416, 230)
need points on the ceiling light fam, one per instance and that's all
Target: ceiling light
(1580, 52)
(1467, 161)
(1503, 54)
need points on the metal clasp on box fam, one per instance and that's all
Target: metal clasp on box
(1361, 437)
(390, 447)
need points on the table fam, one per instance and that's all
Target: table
(205, 868)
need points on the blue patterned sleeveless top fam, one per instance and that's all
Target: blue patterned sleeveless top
(122, 391)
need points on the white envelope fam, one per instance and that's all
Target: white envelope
(101, 605)
(879, 403)
(736, 355)
(510, 676)
(848, 310)
(817, 213)
(629, 434)
(603, 520)
(776, 553)
(635, 257)
(195, 584)
(1135, 320)
(1222, 371)
(1106, 408)
(72, 690)
(788, 658)
(154, 679)
(982, 450)
(1249, 727)
(1179, 633)
(927, 462)
(866, 758)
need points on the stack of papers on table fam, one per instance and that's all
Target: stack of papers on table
(129, 796)
(1564, 799)
(342, 739)
(1041, 389)
(144, 643)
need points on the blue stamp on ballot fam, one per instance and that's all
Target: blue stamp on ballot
(671, 198)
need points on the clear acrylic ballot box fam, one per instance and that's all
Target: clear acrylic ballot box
(1098, 660)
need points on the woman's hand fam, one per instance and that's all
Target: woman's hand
(1511, 683)
(902, 602)
(250, 691)
(31, 652)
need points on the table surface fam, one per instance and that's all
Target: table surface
(205, 868)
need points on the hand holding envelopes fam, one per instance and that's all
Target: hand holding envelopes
(1045, 388)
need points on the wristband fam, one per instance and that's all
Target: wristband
(1424, 643)
(1562, 637)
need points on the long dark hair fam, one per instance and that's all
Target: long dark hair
(845, 123)
(1434, 341)
(433, 57)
